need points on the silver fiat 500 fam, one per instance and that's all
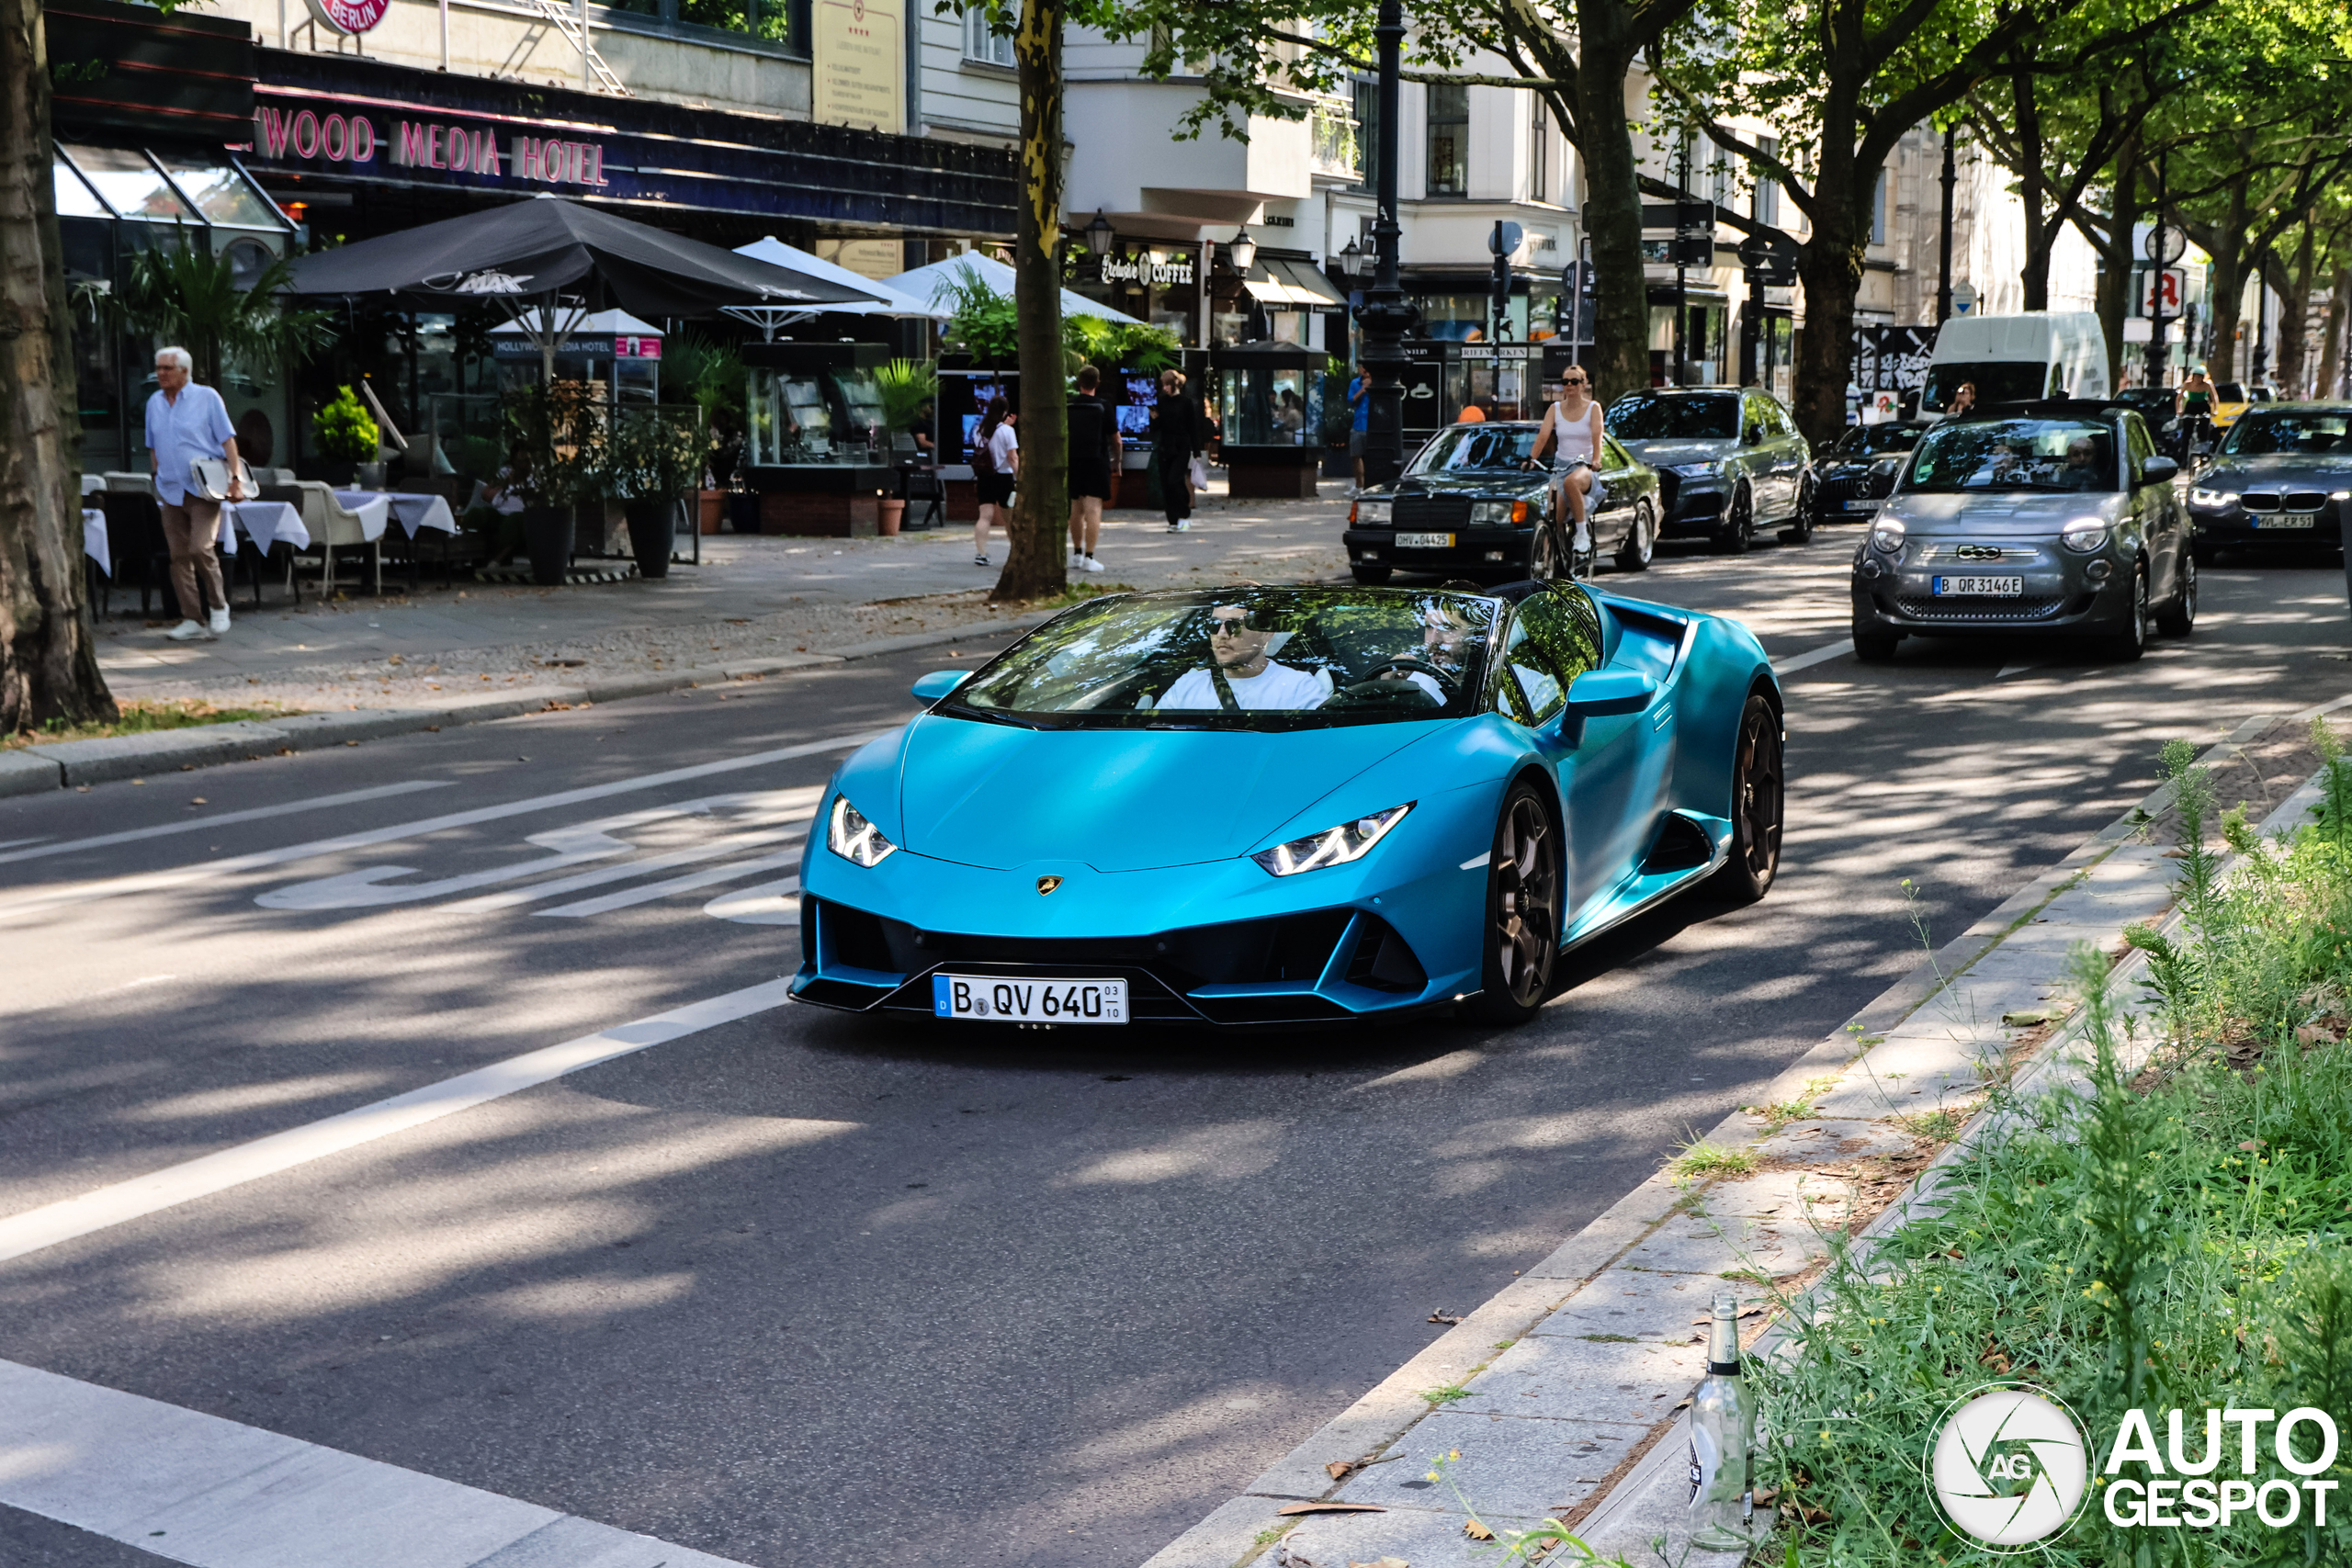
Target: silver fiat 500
(2054, 517)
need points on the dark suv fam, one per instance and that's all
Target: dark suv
(1727, 459)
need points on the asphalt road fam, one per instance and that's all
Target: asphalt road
(801, 1289)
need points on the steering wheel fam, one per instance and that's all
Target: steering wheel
(1450, 680)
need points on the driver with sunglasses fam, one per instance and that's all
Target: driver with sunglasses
(1242, 673)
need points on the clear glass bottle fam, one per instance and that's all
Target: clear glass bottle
(1723, 1437)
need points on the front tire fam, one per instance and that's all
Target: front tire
(1372, 576)
(2179, 617)
(2129, 642)
(1543, 554)
(1521, 934)
(1739, 523)
(1758, 804)
(1874, 644)
(1641, 540)
(1801, 522)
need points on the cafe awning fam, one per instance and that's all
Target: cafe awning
(1291, 284)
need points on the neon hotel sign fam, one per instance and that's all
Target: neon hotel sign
(340, 137)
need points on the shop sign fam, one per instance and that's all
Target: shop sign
(508, 346)
(1159, 269)
(310, 136)
(856, 66)
(345, 18)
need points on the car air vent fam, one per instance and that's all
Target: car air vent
(2259, 500)
(1681, 846)
(1432, 511)
(2306, 500)
(1382, 961)
(2024, 609)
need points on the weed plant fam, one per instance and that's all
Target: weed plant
(2172, 1237)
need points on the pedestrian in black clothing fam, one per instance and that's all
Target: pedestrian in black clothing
(1093, 456)
(1175, 437)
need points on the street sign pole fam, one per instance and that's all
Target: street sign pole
(2158, 243)
(1384, 316)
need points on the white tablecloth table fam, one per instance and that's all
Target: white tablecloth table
(265, 523)
(94, 538)
(375, 508)
(414, 512)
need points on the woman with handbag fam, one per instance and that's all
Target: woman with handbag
(1175, 437)
(996, 466)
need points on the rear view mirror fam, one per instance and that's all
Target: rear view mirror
(2158, 470)
(1599, 693)
(938, 684)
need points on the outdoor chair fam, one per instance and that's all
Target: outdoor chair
(922, 482)
(330, 523)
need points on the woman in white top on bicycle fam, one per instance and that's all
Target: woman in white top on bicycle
(1573, 427)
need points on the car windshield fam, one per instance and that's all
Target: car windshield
(1647, 416)
(2016, 454)
(1995, 380)
(1870, 440)
(2260, 436)
(1466, 448)
(1248, 659)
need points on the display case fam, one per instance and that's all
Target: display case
(1268, 399)
(818, 450)
(1504, 380)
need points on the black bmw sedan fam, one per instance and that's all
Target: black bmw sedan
(2281, 480)
(1854, 474)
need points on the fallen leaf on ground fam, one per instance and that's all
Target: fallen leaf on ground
(1331, 1509)
(1477, 1532)
(1339, 1469)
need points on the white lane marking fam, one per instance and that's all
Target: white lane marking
(1784, 668)
(653, 890)
(148, 882)
(12, 843)
(206, 824)
(200, 1178)
(766, 904)
(1478, 862)
(198, 1489)
(693, 856)
(2009, 669)
(571, 844)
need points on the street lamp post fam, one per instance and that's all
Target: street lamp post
(1943, 272)
(1384, 316)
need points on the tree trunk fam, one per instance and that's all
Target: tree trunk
(2294, 321)
(2331, 351)
(48, 664)
(2032, 190)
(2228, 249)
(1037, 564)
(2115, 250)
(1613, 216)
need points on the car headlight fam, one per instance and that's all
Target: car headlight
(1332, 846)
(1370, 511)
(2201, 496)
(849, 835)
(1887, 535)
(2083, 535)
(1512, 512)
(1698, 470)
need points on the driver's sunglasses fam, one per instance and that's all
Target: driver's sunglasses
(1572, 381)
(1227, 626)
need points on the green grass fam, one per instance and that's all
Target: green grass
(1705, 1159)
(2182, 1238)
(140, 718)
(1444, 1394)
(1783, 1112)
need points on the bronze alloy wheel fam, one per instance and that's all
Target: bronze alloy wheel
(1757, 804)
(1522, 909)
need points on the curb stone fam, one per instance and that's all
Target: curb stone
(35, 769)
(1611, 1309)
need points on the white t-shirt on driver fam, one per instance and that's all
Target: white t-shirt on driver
(1276, 686)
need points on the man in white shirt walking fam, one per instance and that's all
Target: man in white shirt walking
(185, 422)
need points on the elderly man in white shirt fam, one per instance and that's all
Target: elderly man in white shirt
(185, 422)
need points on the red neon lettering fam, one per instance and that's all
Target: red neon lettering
(433, 159)
(306, 135)
(596, 165)
(461, 149)
(363, 139)
(486, 162)
(336, 139)
(272, 127)
(410, 150)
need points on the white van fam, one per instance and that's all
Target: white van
(2015, 359)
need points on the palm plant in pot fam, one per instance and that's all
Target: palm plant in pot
(655, 461)
(556, 441)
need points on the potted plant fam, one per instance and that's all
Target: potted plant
(712, 376)
(344, 432)
(655, 458)
(555, 455)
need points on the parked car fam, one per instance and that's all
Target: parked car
(2036, 354)
(2044, 516)
(2282, 479)
(1854, 473)
(1469, 506)
(2231, 399)
(1728, 460)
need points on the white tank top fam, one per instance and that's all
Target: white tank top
(1575, 442)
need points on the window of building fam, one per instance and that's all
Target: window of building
(1539, 152)
(1877, 211)
(1449, 139)
(1768, 192)
(1367, 100)
(984, 45)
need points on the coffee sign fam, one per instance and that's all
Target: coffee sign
(1160, 270)
(345, 18)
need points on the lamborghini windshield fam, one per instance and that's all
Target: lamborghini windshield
(1471, 448)
(1253, 658)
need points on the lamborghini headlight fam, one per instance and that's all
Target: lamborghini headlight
(1333, 846)
(849, 835)
(2215, 499)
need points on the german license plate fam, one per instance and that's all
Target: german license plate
(2285, 520)
(1864, 505)
(1032, 999)
(1425, 541)
(1979, 587)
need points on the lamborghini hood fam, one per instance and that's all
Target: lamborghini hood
(993, 795)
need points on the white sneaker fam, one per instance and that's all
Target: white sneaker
(1091, 564)
(186, 631)
(219, 619)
